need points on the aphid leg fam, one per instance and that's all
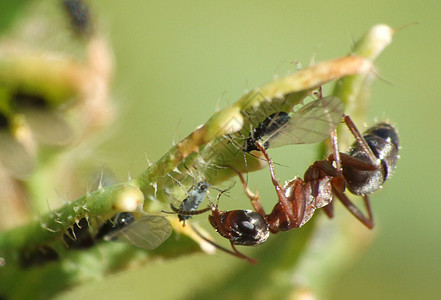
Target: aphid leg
(254, 198)
(225, 190)
(279, 189)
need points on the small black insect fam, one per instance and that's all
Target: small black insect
(312, 123)
(146, 232)
(270, 125)
(117, 222)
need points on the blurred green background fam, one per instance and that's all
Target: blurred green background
(176, 61)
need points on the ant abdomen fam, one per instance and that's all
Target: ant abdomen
(241, 227)
(382, 138)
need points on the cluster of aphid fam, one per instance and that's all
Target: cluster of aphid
(362, 170)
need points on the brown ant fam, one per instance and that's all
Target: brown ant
(362, 170)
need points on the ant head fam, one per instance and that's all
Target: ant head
(240, 227)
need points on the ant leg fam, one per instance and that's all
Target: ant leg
(279, 190)
(254, 198)
(336, 158)
(338, 187)
(367, 221)
(312, 176)
(361, 141)
(235, 253)
(329, 210)
(356, 163)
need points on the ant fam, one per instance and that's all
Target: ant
(362, 170)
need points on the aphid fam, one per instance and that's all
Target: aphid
(271, 124)
(114, 224)
(196, 194)
(312, 123)
(146, 232)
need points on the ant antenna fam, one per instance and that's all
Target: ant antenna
(178, 211)
(235, 253)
